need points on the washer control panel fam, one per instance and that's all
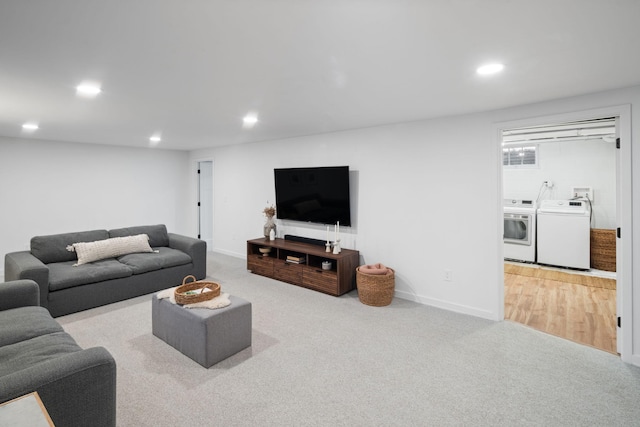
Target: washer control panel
(564, 206)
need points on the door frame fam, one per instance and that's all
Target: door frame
(624, 266)
(196, 185)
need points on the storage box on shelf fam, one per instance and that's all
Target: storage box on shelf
(301, 264)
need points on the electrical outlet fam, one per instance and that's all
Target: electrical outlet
(448, 275)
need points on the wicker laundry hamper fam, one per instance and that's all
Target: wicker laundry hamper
(375, 289)
(603, 249)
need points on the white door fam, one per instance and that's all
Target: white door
(205, 202)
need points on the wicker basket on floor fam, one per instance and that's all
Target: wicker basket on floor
(603, 249)
(193, 292)
(375, 289)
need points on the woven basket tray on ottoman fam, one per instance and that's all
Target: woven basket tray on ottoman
(206, 336)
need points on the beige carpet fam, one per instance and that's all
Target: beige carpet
(318, 360)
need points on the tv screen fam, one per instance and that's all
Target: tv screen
(319, 195)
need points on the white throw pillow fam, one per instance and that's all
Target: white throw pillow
(109, 248)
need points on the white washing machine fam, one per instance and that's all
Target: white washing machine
(519, 230)
(564, 233)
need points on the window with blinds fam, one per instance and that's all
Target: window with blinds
(520, 157)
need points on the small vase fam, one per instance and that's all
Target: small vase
(268, 226)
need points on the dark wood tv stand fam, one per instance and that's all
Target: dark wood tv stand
(340, 279)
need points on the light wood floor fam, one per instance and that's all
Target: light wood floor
(584, 312)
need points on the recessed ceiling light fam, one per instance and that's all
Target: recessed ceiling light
(250, 120)
(88, 90)
(30, 126)
(155, 139)
(490, 69)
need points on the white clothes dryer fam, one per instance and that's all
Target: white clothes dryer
(519, 230)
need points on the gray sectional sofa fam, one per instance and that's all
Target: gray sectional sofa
(77, 387)
(66, 288)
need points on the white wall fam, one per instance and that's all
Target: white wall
(428, 198)
(412, 210)
(568, 164)
(53, 187)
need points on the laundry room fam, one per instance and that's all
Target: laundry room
(560, 207)
(551, 167)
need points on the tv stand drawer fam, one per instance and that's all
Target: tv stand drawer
(322, 280)
(287, 272)
(260, 265)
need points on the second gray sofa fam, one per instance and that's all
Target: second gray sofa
(77, 386)
(65, 288)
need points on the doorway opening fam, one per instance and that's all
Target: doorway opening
(568, 158)
(205, 202)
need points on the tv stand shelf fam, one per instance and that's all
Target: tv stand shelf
(340, 279)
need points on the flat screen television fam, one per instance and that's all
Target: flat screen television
(318, 194)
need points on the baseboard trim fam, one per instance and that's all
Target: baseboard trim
(635, 360)
(230, 253)
(446, 305)
(433, 302)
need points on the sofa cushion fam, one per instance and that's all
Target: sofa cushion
(158, 235)
(164, 258)
(110, 248)
(19, 324)
(27, 353)
(64, 275)
(53, 248)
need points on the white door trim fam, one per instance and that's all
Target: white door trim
(196, 183)
(624, 254)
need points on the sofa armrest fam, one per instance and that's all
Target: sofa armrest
(19, 293)
(78, 389)
(195, 248)
(23, 265)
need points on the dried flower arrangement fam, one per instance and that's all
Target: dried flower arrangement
(269, 211)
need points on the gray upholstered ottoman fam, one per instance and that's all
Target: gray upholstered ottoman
(206, 336)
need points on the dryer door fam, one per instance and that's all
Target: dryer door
(517, 229)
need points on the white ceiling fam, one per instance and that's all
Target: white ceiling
(191, 69)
